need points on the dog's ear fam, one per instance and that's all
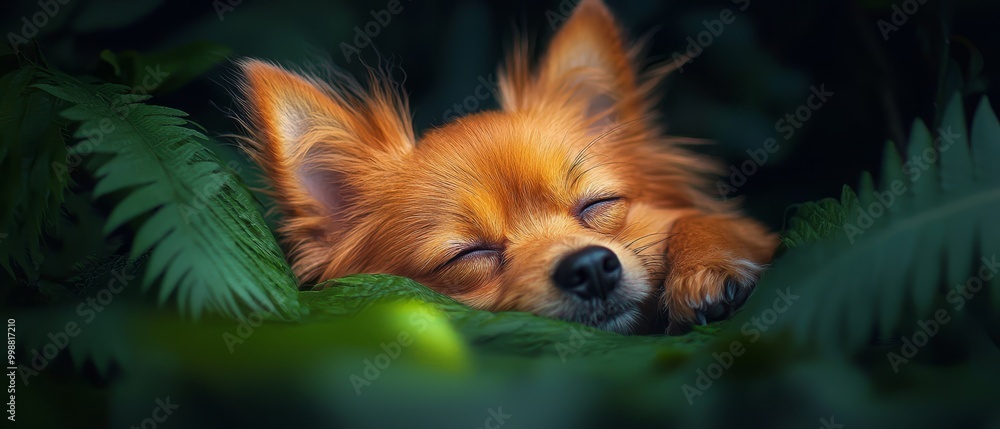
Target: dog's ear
(319, 145)
(586, 64)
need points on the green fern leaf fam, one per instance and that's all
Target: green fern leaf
(209, 245)
(859, 266)
(815, 220)
(32, 169)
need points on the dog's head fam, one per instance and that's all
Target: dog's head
(557, 204)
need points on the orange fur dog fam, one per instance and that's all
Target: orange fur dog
(569, 202)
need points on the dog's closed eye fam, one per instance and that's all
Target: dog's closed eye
(482, 253)
(602, 213)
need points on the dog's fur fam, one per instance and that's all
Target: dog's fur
(483, 208)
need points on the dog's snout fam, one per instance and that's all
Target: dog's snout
(590, 273)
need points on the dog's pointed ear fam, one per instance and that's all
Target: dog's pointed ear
(319, 145)
(587, 60)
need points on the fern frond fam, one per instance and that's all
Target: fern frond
(32, 169)
(209, 244)
(860, 263)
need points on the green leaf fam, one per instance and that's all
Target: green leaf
(163, 72)
(985, 135)
(953, 146)
(33, 168)
(850, 283)
(209, 245)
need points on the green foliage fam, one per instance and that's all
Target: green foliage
(459, 362)
(171, 189)
(488, 330)
(32, 150)
(177, 66)
(865, 260)
(814, 221)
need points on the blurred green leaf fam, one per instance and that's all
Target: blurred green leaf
(111, 14)
(164, 72)
(33, 167)
(890, 245)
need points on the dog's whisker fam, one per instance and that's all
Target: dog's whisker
(631, 243)
(643, 248)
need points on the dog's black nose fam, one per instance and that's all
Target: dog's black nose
(590, 273)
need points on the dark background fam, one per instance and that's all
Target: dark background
(758, 70)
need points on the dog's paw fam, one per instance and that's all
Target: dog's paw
(702, 294)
